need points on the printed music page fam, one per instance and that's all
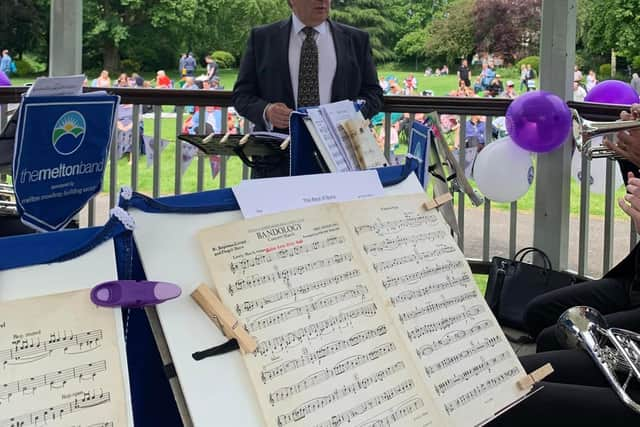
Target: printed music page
(463, 355)
(60, 363)
(328, 354)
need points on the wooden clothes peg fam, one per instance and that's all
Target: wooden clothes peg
(438, 201)
(219, 313)
(535, 376)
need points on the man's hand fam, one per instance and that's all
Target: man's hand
(278, 115)
(630, 204)
(628, 145)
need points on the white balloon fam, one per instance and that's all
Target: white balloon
(503, 171)
(598, 171)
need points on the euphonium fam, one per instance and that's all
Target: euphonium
(584, 130)
(614, 350)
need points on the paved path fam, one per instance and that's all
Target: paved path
(473, 231)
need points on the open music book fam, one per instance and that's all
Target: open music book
(365, 313)
(60, 363)
(343, 137)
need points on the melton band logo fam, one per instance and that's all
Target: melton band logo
(68, 133)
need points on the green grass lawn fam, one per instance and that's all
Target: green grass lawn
(440, 86)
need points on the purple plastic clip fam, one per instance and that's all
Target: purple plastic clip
(133, 293)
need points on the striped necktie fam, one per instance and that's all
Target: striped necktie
(308, 87)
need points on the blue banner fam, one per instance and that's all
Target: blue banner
(62, 145)
(419, 150)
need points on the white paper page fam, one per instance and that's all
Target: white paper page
(57, 86)
(266, 196)
(428, 285)
(332, 145)
(228, 400)
(83, 272)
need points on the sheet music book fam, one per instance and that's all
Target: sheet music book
(363, 142)
(365, 313)
(334, 146)
(62, 367)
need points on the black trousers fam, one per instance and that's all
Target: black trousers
(576, 394)
(609, 296)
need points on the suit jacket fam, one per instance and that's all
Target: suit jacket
(264, 71)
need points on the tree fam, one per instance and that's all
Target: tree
(510, 28)
(609, 24)
(450, 36)
(369, 15)
(24, 25)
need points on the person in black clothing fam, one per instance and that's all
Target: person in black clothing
(464, 74)
(577, 393)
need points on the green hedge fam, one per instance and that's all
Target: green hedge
(224, 59)
(23, 68)
(604, 71)
(533, 60)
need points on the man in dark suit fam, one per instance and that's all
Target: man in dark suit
(305, 60)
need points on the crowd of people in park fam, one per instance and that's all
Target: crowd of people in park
(187, 80)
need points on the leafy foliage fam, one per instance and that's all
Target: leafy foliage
(450, 36)
(610, 24)
(24, 26)
(533, 60)
(368, 15)
(507, 27)
(604, 71)
(24, 68)
(223, 59)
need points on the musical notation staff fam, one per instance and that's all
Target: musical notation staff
(413, 277)
(444, 323)
(25, 351)
(54, 413)
(383, 228)
(287, 273)
(393, 243)
(367, 405)
(415, 257)
(313, 330)
(278, 316)
(348, 389)
(256, 260)
(56, 379)
(452, 337)
(444, 386)
(296, 291)
(462, 355)
(448, 283)
(332, 348)
(480, 390)
(436, 306)
(395, 414)
(340, 368)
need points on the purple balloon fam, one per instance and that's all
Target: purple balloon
(538, 121)
(4, 80)
(613, 92)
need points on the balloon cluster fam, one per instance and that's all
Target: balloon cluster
(537, 122)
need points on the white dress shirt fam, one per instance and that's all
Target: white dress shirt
(326, 57)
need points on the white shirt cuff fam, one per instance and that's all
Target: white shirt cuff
(267, 123)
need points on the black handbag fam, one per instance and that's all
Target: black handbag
(513, 283)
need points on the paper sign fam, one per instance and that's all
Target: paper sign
(257, 196)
